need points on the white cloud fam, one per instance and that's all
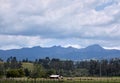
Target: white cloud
(12, 42)
(57, 20)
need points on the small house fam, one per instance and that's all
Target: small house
(55, 76)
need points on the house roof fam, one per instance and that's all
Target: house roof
(54, 76)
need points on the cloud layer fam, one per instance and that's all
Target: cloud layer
(59, 22)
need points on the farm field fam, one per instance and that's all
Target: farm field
(65, 80)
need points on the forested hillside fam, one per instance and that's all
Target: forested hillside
(44, 67)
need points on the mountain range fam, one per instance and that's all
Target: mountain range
(91, 52)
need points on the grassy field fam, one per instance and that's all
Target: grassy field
(28, 66)
(65, 80)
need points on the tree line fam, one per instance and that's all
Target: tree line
(43, 68)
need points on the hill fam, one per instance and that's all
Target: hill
(90, 52)
(27, 65)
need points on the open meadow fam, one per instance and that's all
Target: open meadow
(64, 80)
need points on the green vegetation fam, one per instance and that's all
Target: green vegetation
(15, 73)
(28, 65)
(65, 80)
(43, 68)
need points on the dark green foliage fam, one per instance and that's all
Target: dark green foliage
(38, 71)
(12, 63)
(21, 73)
(43, 68)
(15, 73)
(27, 72)
(50, 72)
(12, 73)
(2, 68)
(81, 72)
(101, 68)
(2, 71)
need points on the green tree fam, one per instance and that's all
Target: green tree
(1, 70)
(21, 73)
(38, 71)
(27, 72)
(12, 73)
(15, 73)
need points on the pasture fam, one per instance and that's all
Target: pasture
(65, 80)
(27, 65)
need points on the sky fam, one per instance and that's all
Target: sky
(46, 23)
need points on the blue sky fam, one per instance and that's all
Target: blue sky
(77, 23)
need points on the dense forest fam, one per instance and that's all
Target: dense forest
(44, 67)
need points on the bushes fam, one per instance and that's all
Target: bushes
(38, 71)
(15, 73)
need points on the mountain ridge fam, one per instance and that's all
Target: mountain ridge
(69, 53)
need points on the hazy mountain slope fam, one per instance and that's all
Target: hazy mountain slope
(93, 51)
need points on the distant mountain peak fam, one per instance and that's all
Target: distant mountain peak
(56, 47)
(92, 51)
(36, 47)
(95, 47)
